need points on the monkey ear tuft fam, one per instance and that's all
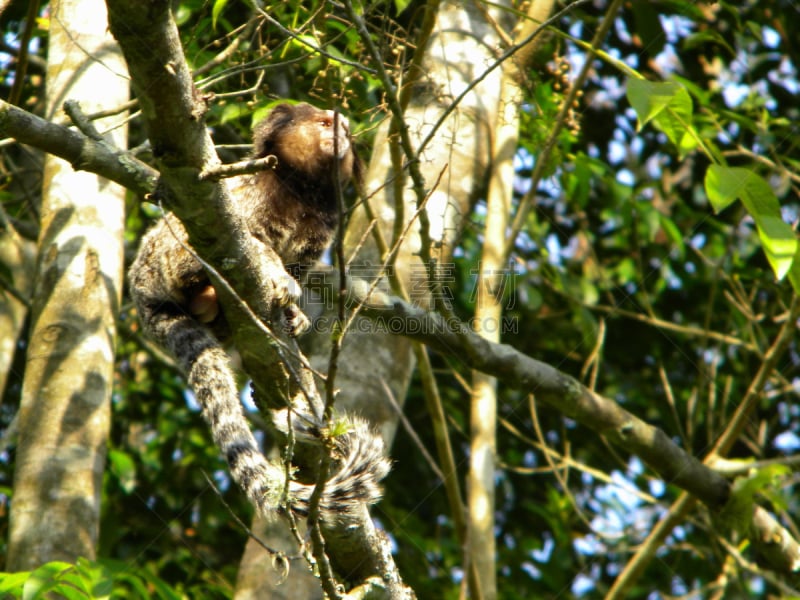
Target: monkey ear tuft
(284, 109)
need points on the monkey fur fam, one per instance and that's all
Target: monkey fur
(292, 208)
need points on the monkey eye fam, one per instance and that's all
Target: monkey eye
(326, 122)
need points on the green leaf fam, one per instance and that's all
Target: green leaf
(259, 114)
(625, 271)
(668, 105)
(589, 294)
(726, 184)
(649, 98)
(11, 583)
(738, 510)
(98, 577)
(45, 579)
(794, 272)
(263, 110)
(182, 14)
(216, 11)
(233, 111)
(722, 186)
(673, 233)
(132, 583)
(706, 38)
(759, 481)
(124, 467)
(163, 590)
(66, 591)
(779, 242)
(304, 43)
(676, 122)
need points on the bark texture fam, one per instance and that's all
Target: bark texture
(65, 407)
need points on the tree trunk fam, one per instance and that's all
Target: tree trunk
(65, 406)
(492, 279)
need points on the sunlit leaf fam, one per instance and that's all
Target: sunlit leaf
(779, 242)
(649, 98)
(216, 11)
(98, 577)
(11, 583)
(45, 579)
(668, 105)
(726, 184)
(676, 122)
(626, 271)
(759, 480)
(794, 272)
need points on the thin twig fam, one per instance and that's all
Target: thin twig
(242, 167)
(22, 55)
(242, 524)
(543, 159)
(409, 429)
(304, 41)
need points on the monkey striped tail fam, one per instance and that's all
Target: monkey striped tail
(362, 464)
(210, 376)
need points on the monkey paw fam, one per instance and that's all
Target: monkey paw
(296, 322)
(286, 290)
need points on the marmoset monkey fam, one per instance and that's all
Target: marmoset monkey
(292, 208)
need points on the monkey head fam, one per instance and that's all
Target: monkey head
(307, 141)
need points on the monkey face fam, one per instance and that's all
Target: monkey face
(306, 140)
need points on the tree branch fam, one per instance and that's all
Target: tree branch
(551, 386)
(568, 396)
(82, 152)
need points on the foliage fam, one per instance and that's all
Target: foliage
(630, 268)
(637, 272)
(100, 580)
